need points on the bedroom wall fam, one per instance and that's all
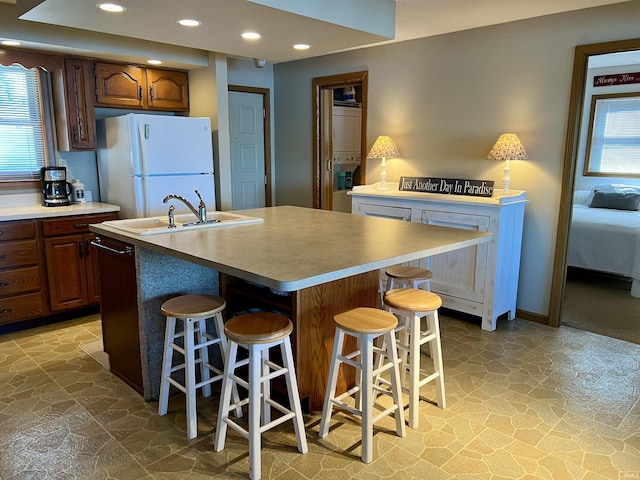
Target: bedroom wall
(583, 182)
(446, 99)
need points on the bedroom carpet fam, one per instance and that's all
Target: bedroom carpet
(601, 304)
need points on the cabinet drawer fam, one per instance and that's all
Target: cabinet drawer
(18, 254)
(20, 280)
(22, 307)
(77, 224)
(22, 229)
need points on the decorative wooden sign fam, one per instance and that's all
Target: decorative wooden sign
(449, 186)
(616, 79)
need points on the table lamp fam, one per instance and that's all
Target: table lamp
(383, 148)
(508, 147)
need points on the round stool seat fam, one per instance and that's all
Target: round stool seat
(402, 272)
(412, 300)
(366, 320)
(260, 327)
(193, 306)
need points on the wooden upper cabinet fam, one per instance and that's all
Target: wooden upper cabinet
(128, 86)
(73, 100)
(120, 86)
(168, 90)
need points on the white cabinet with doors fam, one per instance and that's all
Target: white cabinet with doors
(481, 280)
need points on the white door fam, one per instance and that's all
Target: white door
(246, 121)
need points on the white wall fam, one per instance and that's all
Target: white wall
(446, 99)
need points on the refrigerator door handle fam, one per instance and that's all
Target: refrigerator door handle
(146, 131)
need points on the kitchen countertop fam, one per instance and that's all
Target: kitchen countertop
(296, 247)
(28, 211)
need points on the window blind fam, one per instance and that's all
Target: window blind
(22, 129)
(615, 138)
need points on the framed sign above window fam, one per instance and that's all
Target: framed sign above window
(613, 144)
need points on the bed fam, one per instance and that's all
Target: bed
(606, 238)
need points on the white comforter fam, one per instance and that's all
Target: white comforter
(606, 240)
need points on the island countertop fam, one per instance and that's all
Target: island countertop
(297, 247)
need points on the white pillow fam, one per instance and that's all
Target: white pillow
(581, 196)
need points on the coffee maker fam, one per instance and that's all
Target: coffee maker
(55, 188)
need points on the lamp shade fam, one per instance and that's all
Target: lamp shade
(383, 148)
(508, 147)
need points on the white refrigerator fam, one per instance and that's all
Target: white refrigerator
(143, 157)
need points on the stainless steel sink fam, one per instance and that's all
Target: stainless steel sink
(184, 222)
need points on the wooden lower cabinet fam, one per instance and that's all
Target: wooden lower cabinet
(71, 268)
(22, 285)
(119, 310)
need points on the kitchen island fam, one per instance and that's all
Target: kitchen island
(324, 261)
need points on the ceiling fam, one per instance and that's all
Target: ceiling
(328, 26)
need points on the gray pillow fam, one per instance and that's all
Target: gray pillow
(615, 200)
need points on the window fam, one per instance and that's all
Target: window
(614, 140)
(23, 137)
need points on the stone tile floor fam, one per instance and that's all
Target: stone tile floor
(524, 402)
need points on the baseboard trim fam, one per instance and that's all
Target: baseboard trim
(533, 317)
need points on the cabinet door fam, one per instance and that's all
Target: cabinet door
(75, 120)
(93, 269)
(66, 272)
(372, 210)
(460, 273)
(120, 86)
(167, 90)
(119, 310)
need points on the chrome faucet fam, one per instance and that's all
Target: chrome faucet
(200, 212)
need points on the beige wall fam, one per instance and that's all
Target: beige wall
(446, 99)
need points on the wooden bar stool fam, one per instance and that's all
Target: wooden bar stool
(193, 310)
(366, 324)
(408, 276)
(411, 304)
(257, 332)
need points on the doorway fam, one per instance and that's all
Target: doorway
(250, 137)
(582, 55)
(324, 169)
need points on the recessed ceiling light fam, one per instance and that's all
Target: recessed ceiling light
(154, 62)
(301, 46)
(111, 7)
(10, 43)
(188, 22)
(251, 36)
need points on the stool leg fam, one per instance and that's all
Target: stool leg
(436, 355)
(414, 369)
(358, 394)
(203, 353)
(266, 388)
(190, 378)
(255, 380)
(404, 339)
(366, 389)
(225, 397)
(396, 386)
(294, 395)
(167, 360)
(334, 368)
(219, 322)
